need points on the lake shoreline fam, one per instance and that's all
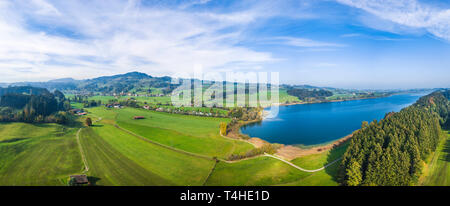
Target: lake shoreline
(291, 151)
(288, 152)
(333, 101)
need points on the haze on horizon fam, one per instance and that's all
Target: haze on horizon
(339, 43)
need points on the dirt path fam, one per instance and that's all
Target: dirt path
(301, 169)
(83, 157)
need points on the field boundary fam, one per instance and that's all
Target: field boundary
(210, 173)
(162, 145)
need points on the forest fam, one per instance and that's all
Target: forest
(393, 150)
(33, 105)
(308, 94)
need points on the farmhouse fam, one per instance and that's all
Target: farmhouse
(75, 110)
(79, 179)
(78, 112)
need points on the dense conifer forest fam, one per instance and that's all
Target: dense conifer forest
(392, 151)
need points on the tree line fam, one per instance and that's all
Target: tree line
(34, 107)
(392, 151)
(309, 94)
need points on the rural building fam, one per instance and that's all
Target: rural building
(79, 179)
(75, 110)
(79, 112)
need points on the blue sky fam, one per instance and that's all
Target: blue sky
(340, 43)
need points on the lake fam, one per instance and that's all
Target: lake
(312, 124)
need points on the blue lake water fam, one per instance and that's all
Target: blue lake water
(311, 124)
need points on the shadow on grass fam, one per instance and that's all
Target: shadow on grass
(446, 149)
(93, 180)
(333, 155)
(13, 140)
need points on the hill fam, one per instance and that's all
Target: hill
(137, 83)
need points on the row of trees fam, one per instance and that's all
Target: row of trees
(392, 151)
(85, 101)
(267, 148)
(246, 113)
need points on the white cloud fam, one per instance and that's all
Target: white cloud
(303, 42)
(351, 35)
(116, 36)
(409, 13)
(44, 8)
(300, 42)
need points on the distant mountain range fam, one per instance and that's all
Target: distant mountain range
(106, 84)
(129, 82)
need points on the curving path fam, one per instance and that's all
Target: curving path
(301, 169)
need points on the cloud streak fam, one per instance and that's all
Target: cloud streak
(410, 13)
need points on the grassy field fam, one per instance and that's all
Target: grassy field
(269, 171)
(47, 154)
(118, 158)
(315, 161)
(326, 177)
(254, 172)
(437, 171)
(190, 133)
(43, 154)
(112, 153)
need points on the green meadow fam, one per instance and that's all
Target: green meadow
(41, 154)
(162, 149)
(437, 171)
(269, 171)
(115, 157)
(190, 133)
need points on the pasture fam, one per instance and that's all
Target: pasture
(41, 154)
(190, 133)
(437, 171)
(269, 171)
(118, 158)
(50, 153)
